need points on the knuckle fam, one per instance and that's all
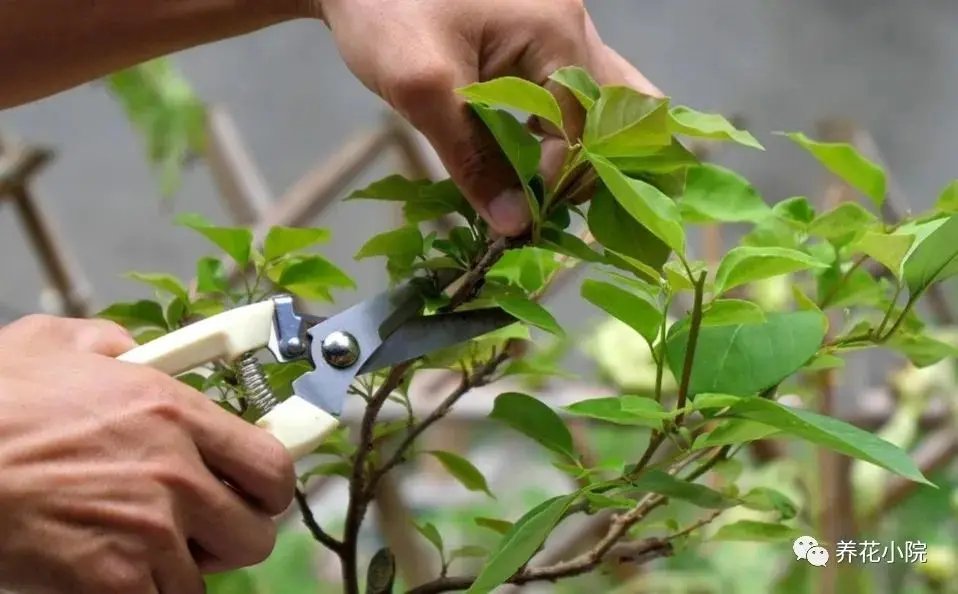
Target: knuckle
(156, 401)
(176, 479)
(116, 574)
(410, 88)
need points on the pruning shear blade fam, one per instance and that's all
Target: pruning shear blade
(386, 330)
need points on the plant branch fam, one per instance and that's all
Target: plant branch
(638, 552)
(315, 529)
(472, 280)
(361, 491)
(690, 348)
(837, 287)
(479, 377)
(358, 493)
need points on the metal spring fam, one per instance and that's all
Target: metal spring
(253, 380)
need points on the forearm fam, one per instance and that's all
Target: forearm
(47, 46)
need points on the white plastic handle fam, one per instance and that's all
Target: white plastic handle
(296, 423)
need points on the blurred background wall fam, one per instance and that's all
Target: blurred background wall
(890, 64)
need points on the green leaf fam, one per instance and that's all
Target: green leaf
(734, 431)
(670, 158)
(765, 499)
(623, 410)
(846, 162)
(797, 211)
(624, 122)
(933, 258)
(639, 311)
(516, 93)
(824, 361)
(311, 276)
(534, 419)
(531, 312)
(519, 146)
(231, 582)
(500, 526)
(830, 433)
(404, 242)
(166, 283)
(527, 268)
(710, 401)
(922, 350)
(236, 242)
(463, 470)
(644, 203)
(857, 288)
(600, 501)
(618, 232)
(160, 103)
(755, 531)
(723, 312)
(948, 199)
(690, 122)
(578, 80)
(424, 199)
(286, 240)
(657, 481)
(136, 315)
(888, 249)
(746, 264)
(430, 533)
(338, 468)
(211, 276)
(843, 223)
(466, 552)
(520, 543)
(713, 193)
(568, 245)
(175, 311)
(747, 358)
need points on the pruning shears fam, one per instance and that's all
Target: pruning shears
(385, 330)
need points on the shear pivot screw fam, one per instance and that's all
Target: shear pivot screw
(340, 349)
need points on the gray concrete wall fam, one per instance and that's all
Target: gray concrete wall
(891, 64)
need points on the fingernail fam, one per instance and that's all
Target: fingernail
(509, 212)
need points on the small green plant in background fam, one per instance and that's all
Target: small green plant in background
(703, 368)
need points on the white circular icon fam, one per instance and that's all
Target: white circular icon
(802, 545)
(817, 556)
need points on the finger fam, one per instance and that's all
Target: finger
(468, 151)
(79, 335)
(228, 531)
(175, 571)
(249, 458)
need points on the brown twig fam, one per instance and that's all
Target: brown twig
(315, 529)
(479, 377)
(358, 493)
(641, 551)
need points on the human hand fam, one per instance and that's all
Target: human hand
(113, 472)
(415, 54)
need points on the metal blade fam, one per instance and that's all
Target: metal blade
(426, 334)
(367, 322)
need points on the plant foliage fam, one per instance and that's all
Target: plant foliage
(718, 368)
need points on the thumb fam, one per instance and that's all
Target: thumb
(428, 99)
